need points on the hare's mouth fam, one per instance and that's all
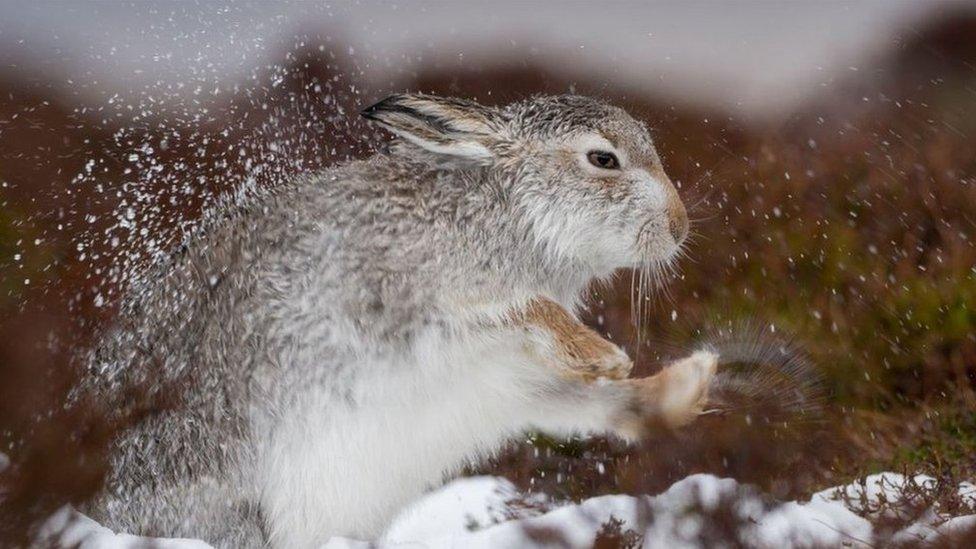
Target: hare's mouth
(656, 246)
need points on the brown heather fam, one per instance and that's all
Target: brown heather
(850, 226)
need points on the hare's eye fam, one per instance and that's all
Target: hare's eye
(603, 159)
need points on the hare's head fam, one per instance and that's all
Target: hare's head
(583, 175)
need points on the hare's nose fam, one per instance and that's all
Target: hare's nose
(677, 221)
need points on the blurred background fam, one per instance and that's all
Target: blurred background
(824, 148)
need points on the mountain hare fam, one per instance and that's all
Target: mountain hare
(345, 342)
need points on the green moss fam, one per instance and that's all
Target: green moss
(946, 442)
(20, 259)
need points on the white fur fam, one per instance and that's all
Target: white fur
(421, 423)
(463, 149)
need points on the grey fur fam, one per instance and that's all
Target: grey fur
(283, 295)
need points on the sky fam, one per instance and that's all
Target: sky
(754, 58)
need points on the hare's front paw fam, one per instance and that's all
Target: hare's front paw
(671, 398)
(683, 392)
(609, 362)
(615, 364)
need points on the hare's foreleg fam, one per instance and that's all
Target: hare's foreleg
(589, 390)
(574, 349)
(629, 408)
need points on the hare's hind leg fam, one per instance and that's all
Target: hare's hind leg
(629, 408)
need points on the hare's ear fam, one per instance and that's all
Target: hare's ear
(442, 125)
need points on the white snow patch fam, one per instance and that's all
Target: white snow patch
(464, 504)
(69, 528)
(478, 512)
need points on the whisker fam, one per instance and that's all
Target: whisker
(708, 217)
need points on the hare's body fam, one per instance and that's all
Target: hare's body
(342, 344)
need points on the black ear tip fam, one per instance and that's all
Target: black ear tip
(372, 112)
(368, 113)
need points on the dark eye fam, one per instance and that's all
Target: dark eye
(603, 159)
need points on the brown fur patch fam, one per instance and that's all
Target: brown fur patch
(580, 350)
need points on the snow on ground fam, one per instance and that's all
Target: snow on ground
(479, 512)
(72, 529)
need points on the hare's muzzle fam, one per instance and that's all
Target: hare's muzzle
(677, 220)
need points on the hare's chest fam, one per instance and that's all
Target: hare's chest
(410, 424)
